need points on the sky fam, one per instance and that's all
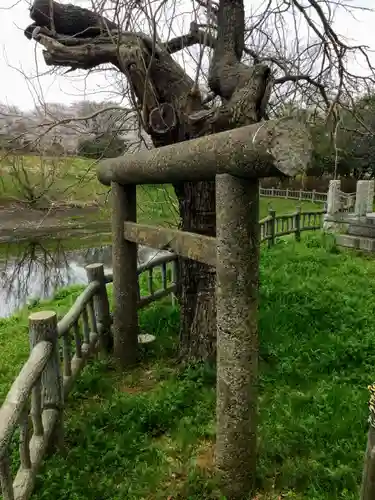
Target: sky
(21, 61)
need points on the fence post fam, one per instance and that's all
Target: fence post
(300, 194)
(43, 326)
(237, 271)
(272, 191)
(298, 223)
(175, 281)
(95, 272)
(125, 277)
(287, 193)
(368, 476)
(313, 195)
(272, 226)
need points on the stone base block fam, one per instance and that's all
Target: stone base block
(368, 231)
(370, 218)
(356, 242)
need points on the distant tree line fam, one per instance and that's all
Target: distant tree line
(343, 147)
(87, 128)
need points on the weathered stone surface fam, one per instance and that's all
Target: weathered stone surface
(333, 206)
(368, 476)
(125, 279)
(192, 246)
(271, 148)
(366, 230)
(237, 267)
(356, 242)
(370, 218)
(364, 197)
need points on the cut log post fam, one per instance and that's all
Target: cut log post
(272, 225)
(237, 333)
(43, 326)
(297, 220)
(95, 272)
(125, 278)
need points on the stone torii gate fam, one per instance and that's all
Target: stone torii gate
(237, 159)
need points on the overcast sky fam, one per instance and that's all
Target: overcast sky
(19, 57)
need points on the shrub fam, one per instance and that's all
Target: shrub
(102, 146)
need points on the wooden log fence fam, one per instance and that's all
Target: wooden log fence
(61, 349)
(58, 353)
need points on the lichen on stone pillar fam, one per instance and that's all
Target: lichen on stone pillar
(333, 206)
(364, 198)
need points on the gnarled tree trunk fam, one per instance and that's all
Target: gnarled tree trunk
(172, 111)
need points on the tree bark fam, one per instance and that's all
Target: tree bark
(197, 285)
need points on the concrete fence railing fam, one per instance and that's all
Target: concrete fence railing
(294, 194)
(61, 349)
(59, 352)
(346, 200)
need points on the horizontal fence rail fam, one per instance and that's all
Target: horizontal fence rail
(274, 226)
(60, 350)
(347, 200)
(294, 194)
(32, 409)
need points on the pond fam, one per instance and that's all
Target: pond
(33, 270)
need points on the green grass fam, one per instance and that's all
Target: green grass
(149, 434)
(68, 179)
(73, 180)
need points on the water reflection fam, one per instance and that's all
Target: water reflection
(36, 271)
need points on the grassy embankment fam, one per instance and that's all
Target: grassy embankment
(149, 434)
(73, 180)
